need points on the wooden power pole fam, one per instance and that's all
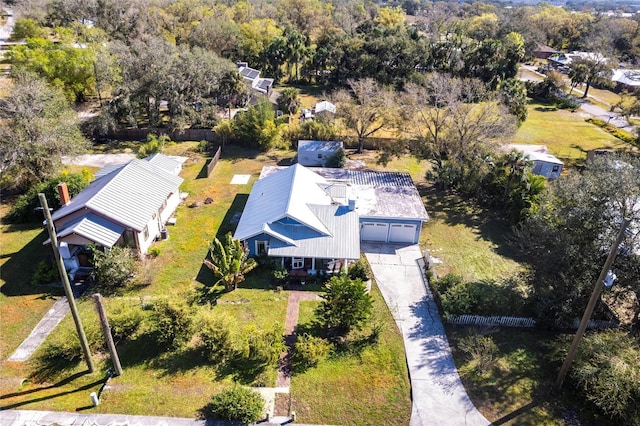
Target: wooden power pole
(65, 283)
(106, 330)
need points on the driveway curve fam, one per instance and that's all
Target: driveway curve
(439, 398)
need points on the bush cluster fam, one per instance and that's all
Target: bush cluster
(488, 298)
(310, 351)
(235, 404)
(614, 131)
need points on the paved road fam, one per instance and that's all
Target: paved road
(439, 398)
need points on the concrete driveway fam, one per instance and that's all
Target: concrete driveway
(437, 392)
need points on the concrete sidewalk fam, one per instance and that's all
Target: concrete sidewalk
(46, 325)
(439, 398)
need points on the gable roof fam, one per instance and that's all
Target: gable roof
(325, 106)
(286, 194)
(128, 195)
(94, 228)
(168, 164)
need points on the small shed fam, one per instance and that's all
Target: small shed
(316, 153)
(324, 109)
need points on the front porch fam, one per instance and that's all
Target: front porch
(302, 267)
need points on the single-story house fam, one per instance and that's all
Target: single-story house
(626, 79)
(252, 77)
(563, 61)
(544, 51)
(314, 220)
(544, 164)
(126, 205)
(316, 153)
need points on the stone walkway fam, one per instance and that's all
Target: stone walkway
(46, 325)
(293, 309)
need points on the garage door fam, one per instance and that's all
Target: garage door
(374, 231)
(402, 233)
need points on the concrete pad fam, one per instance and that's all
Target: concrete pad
(99, 160)
(439, 398)
(240, 179)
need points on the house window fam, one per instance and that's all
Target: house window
(262, 247)
(556, 168)
(145, 233)
(297, 263)
(319, 155)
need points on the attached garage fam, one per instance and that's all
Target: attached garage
(374, 231)
(402, 233)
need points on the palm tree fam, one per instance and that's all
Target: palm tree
(229, 262)
(289, 100)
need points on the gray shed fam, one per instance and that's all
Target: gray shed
(316, 153)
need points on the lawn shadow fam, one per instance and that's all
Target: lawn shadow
(20, 265)
(237, 153)
(515, 414)
(61, 383)
(489, 224)
(232, 217)
(202, 174)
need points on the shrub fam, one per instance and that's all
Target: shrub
(214, 336)
(154, 251)
(337, 161)
(568, 102)
(280, 275)
(24, 208)
(309, 351)
(260, 347)
(154, 145)
(607, 372)
(170, 323)
(125, 319)
(114, 268)
(481, 350)
(346, 305)
(46, 272)
(359, 270)
(235, 404)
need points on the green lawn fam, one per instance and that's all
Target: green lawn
(565, 133)
(370, 387)
(177, 383)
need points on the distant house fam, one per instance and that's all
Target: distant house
(324, 109)
(316, 153)
(252, 77)
(126, 205)
(626, 79)
(544, 164)
(314, 221)
(543, 51)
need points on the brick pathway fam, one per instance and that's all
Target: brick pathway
(293, 308)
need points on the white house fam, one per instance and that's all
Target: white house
(544, 164)
(316, 153)
(126, 205)
(252, 77)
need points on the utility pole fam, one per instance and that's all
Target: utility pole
(106, 330)
(65, 283)
(590, 306)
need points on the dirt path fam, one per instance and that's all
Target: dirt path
(293, 309)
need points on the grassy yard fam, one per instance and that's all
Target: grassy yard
(565, 133)
(177, 383)
(366, 387)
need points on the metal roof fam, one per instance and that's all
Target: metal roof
(287, 193)
(249, 73)
(389, 195)
(264, 84)
(129, 195)
(325, 106)
(344, 243)
(93, 228)
(168, 164)
(328, 147)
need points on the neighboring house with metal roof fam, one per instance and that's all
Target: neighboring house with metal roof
(544, 164)
(126, 205)
(314, 220)
(316, 153)
(324, 109)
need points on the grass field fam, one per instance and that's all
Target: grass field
(566, 134)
